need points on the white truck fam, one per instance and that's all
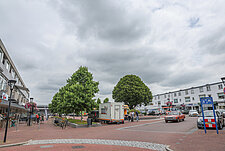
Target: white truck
(111, 112)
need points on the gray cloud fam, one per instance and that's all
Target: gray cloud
(156, 40)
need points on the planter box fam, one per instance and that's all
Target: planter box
(79, 126)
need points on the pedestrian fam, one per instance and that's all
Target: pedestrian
(137, 116)
(132, 116)
(42, 118)
(38, 118)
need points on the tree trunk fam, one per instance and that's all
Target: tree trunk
(81, 116)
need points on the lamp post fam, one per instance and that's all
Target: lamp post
(31, 110)
(11, 84)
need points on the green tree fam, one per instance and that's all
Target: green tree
(106, 100)
(81, 89)
(77, 95)
(99, 101)
(132, 91)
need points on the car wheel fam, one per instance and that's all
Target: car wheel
(199, 127)
(166, 121)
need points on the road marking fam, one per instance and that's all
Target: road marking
(159, 131)
(139, 125)
(46, 146)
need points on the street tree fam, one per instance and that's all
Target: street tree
(132, 91)
(106, 100)
(81, 89)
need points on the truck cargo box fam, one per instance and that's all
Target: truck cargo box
(111, 112)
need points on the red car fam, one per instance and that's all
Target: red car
(174, 116)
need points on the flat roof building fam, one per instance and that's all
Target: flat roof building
(8, 71)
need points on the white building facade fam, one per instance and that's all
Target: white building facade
(190, 98)
(20, 94)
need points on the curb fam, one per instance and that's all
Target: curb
(16, 144)
(168, 149)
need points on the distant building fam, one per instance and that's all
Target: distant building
(43, 109)
(190, 97)
(20, 94)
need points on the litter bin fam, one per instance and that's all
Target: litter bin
(89, 121)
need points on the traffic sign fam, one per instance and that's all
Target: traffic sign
(208, 101)
(224, 90)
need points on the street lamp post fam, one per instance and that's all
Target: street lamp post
(11, 84)
(31, 110)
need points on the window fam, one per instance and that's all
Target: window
(168, 95)
(208, 88)
(179, 93)
(201, 89)
(175, 94)
(1, 55)
(186, 92)
(220, 86)
(7, 65)
(192, 91)
(158, 97)
(164, 95)
(187, 99)
(201, 96)
(193, 98)
(180, 100)
(175, 100)
(220, 95)
(159, 102)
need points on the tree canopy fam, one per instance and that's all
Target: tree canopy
(132, 91)
(77, 95)
(106, 100)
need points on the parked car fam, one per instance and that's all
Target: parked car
(208, 114)
(185, 111)
(174, 116)
(193, 113)
(150, 112)
(222, 111)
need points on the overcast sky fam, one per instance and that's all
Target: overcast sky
(169, 44)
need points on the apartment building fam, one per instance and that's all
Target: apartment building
(20, 94)
(190, 97)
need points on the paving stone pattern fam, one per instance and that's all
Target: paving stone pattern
(146, 145)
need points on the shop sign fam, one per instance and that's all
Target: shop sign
(4, 96)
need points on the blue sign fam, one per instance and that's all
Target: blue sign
(208, 101)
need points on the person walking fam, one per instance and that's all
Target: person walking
(42, 118)
(132, 116)
(137, 117)
(38, 118)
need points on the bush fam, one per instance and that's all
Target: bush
(133, 110)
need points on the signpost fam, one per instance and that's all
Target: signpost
(208, 102)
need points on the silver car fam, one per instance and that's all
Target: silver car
(208, 114)
(193, 113)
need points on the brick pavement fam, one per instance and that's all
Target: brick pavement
(178, 142)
